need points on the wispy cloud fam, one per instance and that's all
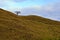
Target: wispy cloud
(49, 11)
(18, 0)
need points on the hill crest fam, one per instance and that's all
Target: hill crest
(14, 27)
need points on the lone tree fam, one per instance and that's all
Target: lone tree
(17, 12)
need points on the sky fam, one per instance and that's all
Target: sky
(45, 8)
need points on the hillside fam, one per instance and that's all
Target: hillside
(13, 27)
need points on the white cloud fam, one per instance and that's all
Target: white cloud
(7, 4)
(51, 11)
(18, 0)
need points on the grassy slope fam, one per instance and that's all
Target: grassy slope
(13, 27)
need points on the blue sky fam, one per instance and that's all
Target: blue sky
(45, 8)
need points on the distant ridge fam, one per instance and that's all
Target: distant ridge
(32, 27)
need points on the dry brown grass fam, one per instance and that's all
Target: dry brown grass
(13, 27)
